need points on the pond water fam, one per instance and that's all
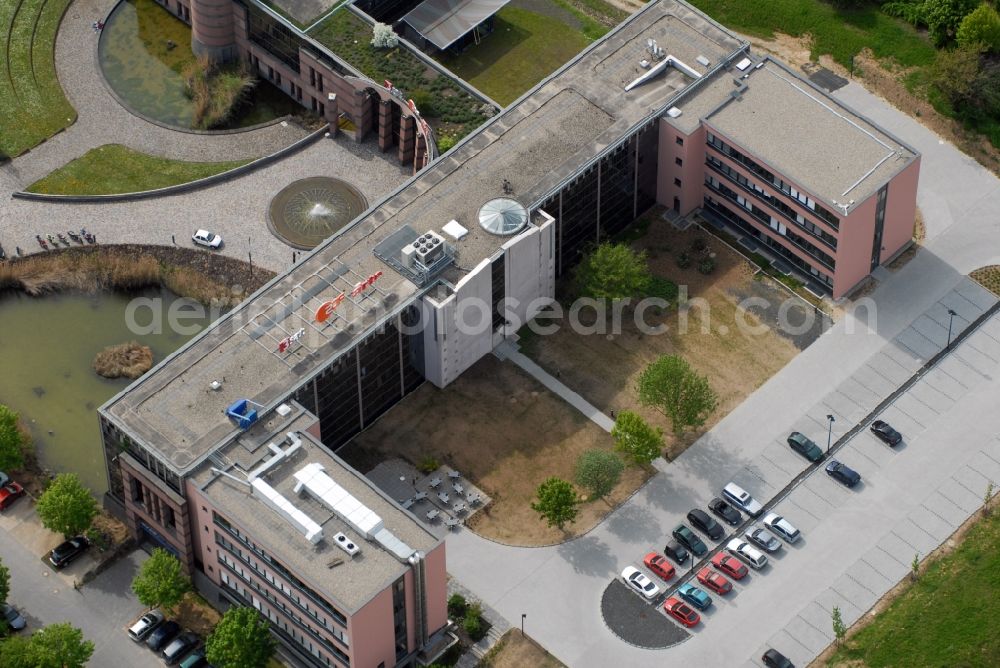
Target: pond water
(47, 346)
(143, 51)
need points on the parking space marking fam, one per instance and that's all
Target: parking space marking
(962, 497)
(885, 564)
(930, 396)
(788, 636)
(930, 523)
(946, 509)
(796, 517)
(831, 597)
(845, 405)
(853, 591)
(897, 548)
(754, 490)
(953, 369)
(889, 368)
(918, 537)
(869, 578)
(916, 409)
(972, 480)
(975, 359)
(860, 393)
(810, 484)
(819, 619)
(873, 381)
(806, 634)
(905, 348)
(932, 330)
(856, 449)
(974, 293)
(985, 345)
(947, 384)
(790, 474)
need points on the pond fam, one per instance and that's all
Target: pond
(47, 346)
(143, 51)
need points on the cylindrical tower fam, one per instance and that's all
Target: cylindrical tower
(213, 31)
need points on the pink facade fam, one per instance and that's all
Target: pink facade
(686, 181)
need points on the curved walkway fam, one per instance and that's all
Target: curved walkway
(236, 209)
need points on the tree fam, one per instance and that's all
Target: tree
(636, 438)
(55, 646)
(161, 580)
(4, 583)
(980, 29)
(241, 639)
(944, 16)
(557, 502)
(613, 271)
(11, 440)
(839, 630)
(953, 74)
(987, 497)
(599, 471)
(66, 507)
(683, 395)
(915, 568)
(383, 36)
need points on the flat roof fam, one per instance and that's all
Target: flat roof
(352, 583)
(789, 124)
(444, 22)
(535, 144)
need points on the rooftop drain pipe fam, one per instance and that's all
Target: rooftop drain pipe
(420, 596)
(659, 67)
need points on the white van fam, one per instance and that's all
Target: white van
(743, 550)
(741, 498)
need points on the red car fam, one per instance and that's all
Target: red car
(10, 493)
(714, 581)
(659, 565)
(681, 611)
(730, 565)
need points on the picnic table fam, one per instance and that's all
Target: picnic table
(432, 514)
(444, 497)
(473, 498)
(454, 475)
(420, 496)
(458, 488)
(408, 504)
(459, 508)
(451, 523)
(435, 483)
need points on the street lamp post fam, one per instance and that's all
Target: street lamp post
(829, 433)
(951, 317)
(523, 615)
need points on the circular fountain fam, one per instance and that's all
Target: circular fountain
(310, 210)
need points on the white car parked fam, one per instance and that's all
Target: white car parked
(146, 624)
(743, 550)
(634, 578)
(207, 239)
(782, 527)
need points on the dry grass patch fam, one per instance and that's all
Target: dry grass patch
(507, 434)
(517, 651)
(195, 614)
(605, 369)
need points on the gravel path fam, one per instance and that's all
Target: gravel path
(237, 210)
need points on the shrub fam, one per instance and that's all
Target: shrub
(699, 245)
(662, 288)
(457, 606)
(981, 27)
(684, 260)
(473, 626)
(428, 464)
(707, 265)
(445, 142)
(383, 36)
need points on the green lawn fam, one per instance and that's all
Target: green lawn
(114, 169)
(32, 104)
(948, 618)
(524, 48)
(840, 33)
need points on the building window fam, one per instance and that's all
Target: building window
(136, 491)
(168, 517)
(677, 182)
(678, 162)
(679, 140)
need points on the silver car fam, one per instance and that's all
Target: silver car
(781, 527)
(145, 625)
(763, 538)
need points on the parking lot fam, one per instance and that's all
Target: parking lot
(856, 543)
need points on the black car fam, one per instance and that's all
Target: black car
(803, 445)
(886, 433)
(774, 659)
(180, 646)
(163, 634)
(842, 473)
(725, 512)
(689, 539)
(701, 521)
(68, 551)
(676, 551)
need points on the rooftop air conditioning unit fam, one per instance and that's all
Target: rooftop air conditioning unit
(428, 248)
(345, 543)
(407, 254)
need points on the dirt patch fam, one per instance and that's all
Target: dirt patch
(195, 614)
(110, 527)
(506, 433)
(128, 360)
(716, 337)
(517, 651)
(795, 51)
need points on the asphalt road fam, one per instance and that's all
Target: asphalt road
(102, 609)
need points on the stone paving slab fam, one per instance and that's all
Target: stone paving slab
(961, 496)
(971, 480)
(869, 578)
(947, 384)
(860, 394)
(976, 294)
(819, 619)
(874, 380)
(849, 588)
(946, 509)
(920, 540)
(897, 548)
(808, 635)
(933, 331)
(916, 409)
(885, 564)
(931, 396)
(911, 350)
(887, 366)
(929, 521)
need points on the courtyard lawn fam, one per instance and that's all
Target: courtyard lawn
(524, 48)
(506, 433)
(712, 335)
(32, 104)
(514, 650)
(113, 169)
(841, 33)
(947, 618)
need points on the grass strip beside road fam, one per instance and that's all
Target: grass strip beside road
(841, 33)
(946, 618)
(114, 169)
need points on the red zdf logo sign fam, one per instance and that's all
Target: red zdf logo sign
(326, 309)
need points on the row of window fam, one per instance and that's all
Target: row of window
(765, 218)
(155, 507)
(772, 201)
(338, 616)
(780, 184)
